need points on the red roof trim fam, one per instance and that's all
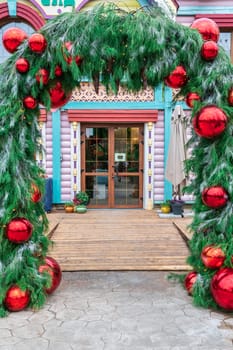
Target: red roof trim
(223, 21)
(30, 15)
(4, 11)
(112, 116)
(42, 116)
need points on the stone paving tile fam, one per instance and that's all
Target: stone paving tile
(117, 311)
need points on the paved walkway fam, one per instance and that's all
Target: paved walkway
(117, 311)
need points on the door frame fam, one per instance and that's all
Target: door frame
(111, 173)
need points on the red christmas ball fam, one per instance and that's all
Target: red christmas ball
(191, 97)
(209, 50)
(52, 267)
(58, 71)
(209, 122)
(214, 197)
(177, 78)
(230, 97)
(78, 60)
(37, 43)
(22, 65)
(36, 194)
(68, 56)
(58, 96)
(12, 38)
(42, 76)
(189, 281)
(16, 299)
(30, 102)
(222, 288)
(207, 28)
(19, 230)
(212, 257)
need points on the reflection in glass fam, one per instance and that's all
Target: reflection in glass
(126, 190)
(97, 188)
(127, 149)
(96, 149)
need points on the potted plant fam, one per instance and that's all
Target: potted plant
(177, 206)
(165, 207)
(81, 208)
(81, 198)
(69, 207)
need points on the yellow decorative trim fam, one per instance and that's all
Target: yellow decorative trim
(150, 172)
(149, 142)
(41, 125)
(75, 172)
(150, 204)
(74, 125)
(74, 156)
(150, 126)
(74, 142)
(74, 187)
(149, 187)
(40, 156)
(149, 156)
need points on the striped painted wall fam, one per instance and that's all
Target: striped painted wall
(49, 146)
(159, 158)
(65, 158)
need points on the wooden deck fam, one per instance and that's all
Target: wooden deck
(117, 240)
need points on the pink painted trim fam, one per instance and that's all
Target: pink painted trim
(112, 116)
(83, 3)
(30, 15)
(40, 9)
(223, 21)
(42, 116)
(175, 2)
(4, 11)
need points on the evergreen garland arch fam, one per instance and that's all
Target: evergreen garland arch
(117, 48)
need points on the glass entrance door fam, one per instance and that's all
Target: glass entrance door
(112, 165)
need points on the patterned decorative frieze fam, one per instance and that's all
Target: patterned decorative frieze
(86, 93)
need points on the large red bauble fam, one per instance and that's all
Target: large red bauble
(42, 76)
(58, 96)
(22, 65)
(209, 122)
(207, 28)
(67, 54)
(177, 78)
(16, 299)
(212, 257)
(189, 281)
(12, 38)
(30, 102)
(19, 230)
(191, 97)
(37, 43)
(36, 194)
(209, 50)
(230, 97)
(52, 267)
(222, 288)
(214, 197)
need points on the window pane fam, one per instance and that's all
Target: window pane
(225, 42)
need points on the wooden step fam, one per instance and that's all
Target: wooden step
(118, 240)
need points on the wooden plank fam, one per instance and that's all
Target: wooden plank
(118, 240)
